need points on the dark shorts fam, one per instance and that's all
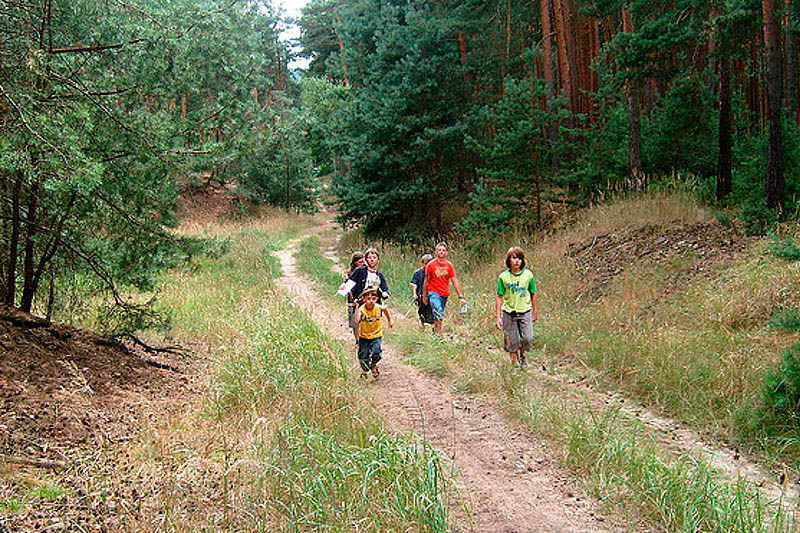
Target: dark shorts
(369, 352)
(351, 312)
(425, 312)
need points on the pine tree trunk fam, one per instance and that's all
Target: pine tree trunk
(561, 47)
(634, 114)
(28, 267)
(791, 61)
(724, 160)
(775, 179)
(13, 246)
(549, 76)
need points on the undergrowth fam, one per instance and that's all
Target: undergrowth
(283, 436)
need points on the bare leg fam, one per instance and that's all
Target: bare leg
(514, 356)
(437, 327)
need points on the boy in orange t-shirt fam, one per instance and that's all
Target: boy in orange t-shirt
(436, 289)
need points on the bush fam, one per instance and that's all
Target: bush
(781, 391)
(757, 218)
(784, 248)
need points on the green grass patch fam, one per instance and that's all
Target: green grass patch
(11, 505)
(46, 492)
(312, 262)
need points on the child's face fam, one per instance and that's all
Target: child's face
(516, 262)
(372, 259)
(360, 262)
(441, 251)
(370, 300)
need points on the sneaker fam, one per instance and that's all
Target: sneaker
(375, 371)
(364, 374)
(523, 363)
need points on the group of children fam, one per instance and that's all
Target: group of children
(366, 290)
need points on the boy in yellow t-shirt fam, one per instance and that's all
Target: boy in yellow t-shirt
(370, 333)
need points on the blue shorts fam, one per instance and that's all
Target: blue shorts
(437, 302)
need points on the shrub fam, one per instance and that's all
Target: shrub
(784, 248)
(781, 391)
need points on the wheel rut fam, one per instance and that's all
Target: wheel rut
(507, 480)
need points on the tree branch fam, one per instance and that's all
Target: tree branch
(98, 48)
(44, 463)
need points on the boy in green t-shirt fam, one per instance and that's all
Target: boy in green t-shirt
(515, 306)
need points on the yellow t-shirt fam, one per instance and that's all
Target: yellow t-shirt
(371, 326)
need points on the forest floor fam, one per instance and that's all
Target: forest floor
(69, 402)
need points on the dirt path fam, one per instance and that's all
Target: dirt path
(506, 478)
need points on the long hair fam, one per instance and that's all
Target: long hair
(355, 258)
(515, 251)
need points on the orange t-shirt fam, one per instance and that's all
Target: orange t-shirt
(439, 274)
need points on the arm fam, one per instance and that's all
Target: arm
(457, 285)
(357, 314)
(414, 291)
(425, 288)
(357, 277)
(384, 286)
(535, 307)
(385, 311)
(498, 311)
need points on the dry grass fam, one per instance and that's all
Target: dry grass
(698, 353)
(278, 436)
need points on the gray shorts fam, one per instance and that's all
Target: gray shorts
(517, 331)
(351, 313)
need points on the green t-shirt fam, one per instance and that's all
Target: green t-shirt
(516, 290)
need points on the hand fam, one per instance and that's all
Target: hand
(535, 317)
(462, 299)
(499, 324)
(416, 297)
(391, 324)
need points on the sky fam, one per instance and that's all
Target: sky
(292, 9)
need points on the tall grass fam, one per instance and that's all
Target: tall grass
(283, 436)
(698, 354)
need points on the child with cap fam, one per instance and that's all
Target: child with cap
(370, 331)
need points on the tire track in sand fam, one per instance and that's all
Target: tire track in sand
(506, 479)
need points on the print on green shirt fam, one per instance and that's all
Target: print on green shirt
(516, 290)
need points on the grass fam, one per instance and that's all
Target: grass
(281, 435)
(311, 261)
(10, 506)
(698, 354)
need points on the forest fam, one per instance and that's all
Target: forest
(479, 114)
(178, 201)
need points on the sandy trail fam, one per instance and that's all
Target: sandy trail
(506, 479)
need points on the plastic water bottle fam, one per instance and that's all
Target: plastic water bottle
(464, 308)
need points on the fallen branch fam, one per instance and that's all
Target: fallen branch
(174, 349)
(43, 463)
